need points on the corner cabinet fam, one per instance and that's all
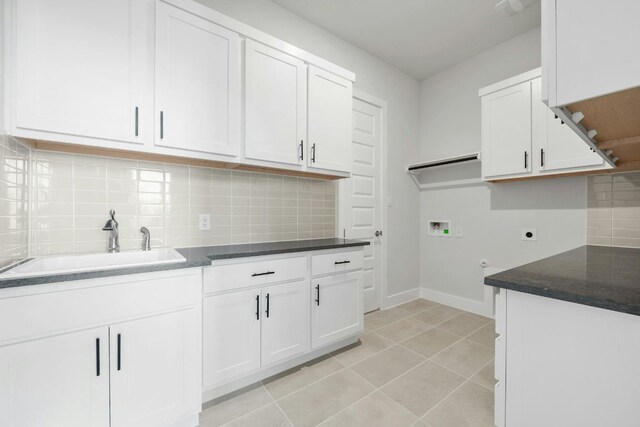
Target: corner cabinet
(522, 137)
(172, 78)
(113, 352)
(197, 84)
(79, 70)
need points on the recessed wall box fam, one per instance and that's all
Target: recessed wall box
(439, 228)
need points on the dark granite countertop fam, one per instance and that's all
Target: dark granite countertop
(598, 276)
(212, 253)
(195, 257)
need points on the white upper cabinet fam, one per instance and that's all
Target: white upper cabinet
(197, 83)
(80, 69)
(330, 117)
(522, 137)
(590, 48)
(557, 145)
(506, 132)
(275, 105)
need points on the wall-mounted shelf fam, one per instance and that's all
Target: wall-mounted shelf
(415, 170)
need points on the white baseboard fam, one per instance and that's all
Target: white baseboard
(483, 308)
(400, 298)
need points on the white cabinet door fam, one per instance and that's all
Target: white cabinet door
(231, 336)
(57, 381)
(285, 321)
(275, 105)
(80, 68)
(336, 308)
(197, 83)
(155, 370)
(597, 48)
(557, 146)
(506, 132)
(330, 118)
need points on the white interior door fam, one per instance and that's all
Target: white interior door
(361, 196)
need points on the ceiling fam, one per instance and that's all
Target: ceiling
(420, 37)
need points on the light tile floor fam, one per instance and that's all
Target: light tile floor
(418, 364)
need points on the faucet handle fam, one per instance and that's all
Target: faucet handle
(146, 239)
(112, 214)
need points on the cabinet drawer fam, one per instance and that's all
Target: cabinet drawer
(336, 262)
(96, 302)
(235, 276)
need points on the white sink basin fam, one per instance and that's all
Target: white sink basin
(65, 264)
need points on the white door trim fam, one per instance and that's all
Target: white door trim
(342, 210)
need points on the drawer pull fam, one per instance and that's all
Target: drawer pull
(263, 274)
(342, 262)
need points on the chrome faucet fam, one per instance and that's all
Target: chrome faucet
(146, 239)
(112, 227)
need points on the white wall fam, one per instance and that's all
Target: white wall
(491, 215)
(402, 94)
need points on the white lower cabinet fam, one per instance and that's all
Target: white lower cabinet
(246, 330)
(271, 321)
(336, 308)
(142, 372)
(285, 328)
(231, 336)
(57, 381)
(154, 374)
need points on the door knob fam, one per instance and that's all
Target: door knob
(378, 233)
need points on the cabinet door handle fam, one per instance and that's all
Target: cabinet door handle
(542, 157)
(318, 295)
(263, 274)
(257, 307)
(301, 150)
(136, 126)
(267, 306)
(119, 353)
(341, 262)
(313, 153)
(526, 160)
(161, 124)
(97, 357)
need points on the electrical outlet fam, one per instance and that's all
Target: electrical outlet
(204, 222)
(529, 234)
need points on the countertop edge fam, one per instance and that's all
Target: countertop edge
(285, 251)
(564, 296)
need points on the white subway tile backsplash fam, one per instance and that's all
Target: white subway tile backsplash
(73, 195)
(613, 212)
